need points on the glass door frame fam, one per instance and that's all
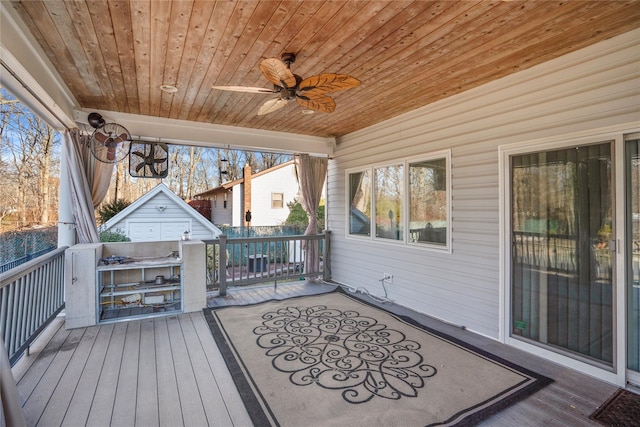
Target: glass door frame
(617, 374)
(632, 376)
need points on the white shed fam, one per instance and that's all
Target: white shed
(161, 215)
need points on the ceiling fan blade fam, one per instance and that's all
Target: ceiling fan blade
(315, 86)
(247, 89)
(324, 104)
(277, 72)
(271, 105)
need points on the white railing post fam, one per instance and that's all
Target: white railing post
(222, 265)
(326, 256)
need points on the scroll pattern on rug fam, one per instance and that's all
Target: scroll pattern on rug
(343, 350)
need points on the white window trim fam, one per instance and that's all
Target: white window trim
(404, 162)
(281, 200)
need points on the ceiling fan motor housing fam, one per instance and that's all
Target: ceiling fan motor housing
(288, 58)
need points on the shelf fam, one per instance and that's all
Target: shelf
(146, 264)
(139, 291)
(128, 290)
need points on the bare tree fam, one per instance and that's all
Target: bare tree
(28, 147)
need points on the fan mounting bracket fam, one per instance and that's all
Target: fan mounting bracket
(288, 58)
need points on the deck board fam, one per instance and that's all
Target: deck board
(105, 393)
(36, 403)
(227, 398)
(169, 371)
(124, 406)
(28, 378)
(168, 397)
(190, 398)
(82, 399)
(207, 388)
(147, 410)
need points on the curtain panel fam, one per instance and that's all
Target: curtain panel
(89, 180)
(311, 172)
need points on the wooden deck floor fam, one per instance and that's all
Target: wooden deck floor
(167, 371)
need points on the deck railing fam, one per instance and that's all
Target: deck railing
(31, 295)
(253, 260)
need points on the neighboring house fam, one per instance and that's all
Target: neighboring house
(161, 215)
(265, 194)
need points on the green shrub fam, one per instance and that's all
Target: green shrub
(108, 210)
(113, 236)
(299, 218)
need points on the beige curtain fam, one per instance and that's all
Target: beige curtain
(11, 414)
(312, 172)
(89, 180)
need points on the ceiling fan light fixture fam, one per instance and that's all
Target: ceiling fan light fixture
(168, 88)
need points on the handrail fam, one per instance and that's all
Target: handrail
(251, 260)
(31, 295)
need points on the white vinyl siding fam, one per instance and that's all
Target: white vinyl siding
(584, 92)
(264, 186)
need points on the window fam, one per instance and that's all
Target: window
(410, 200)
(277, 200)
(388, 202)
(360, 203)
(428, 201)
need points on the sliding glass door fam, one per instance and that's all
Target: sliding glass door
(562, 251)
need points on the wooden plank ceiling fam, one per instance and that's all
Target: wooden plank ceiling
(114, 55)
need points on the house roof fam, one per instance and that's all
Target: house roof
(162, 188)
(113, 57)
(227, 185)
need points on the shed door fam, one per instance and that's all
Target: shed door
(144, 231)
(156, 231)
(173, 230)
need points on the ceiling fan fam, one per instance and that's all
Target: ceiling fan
(311, 92)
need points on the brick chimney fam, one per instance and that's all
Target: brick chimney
(246, 200)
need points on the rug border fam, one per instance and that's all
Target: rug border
(249, 399)
(256, 408)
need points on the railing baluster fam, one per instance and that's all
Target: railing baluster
(254, 260)
(31, 295)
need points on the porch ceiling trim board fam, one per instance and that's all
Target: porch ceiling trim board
(212, 135)
(26, 71)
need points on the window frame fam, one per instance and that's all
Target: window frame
(405, 163)
(281, 201)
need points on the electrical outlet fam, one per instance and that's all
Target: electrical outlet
(387, 278)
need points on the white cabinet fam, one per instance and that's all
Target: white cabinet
(138, 289)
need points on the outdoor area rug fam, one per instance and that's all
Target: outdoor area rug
(622, 409)
(333, 360)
